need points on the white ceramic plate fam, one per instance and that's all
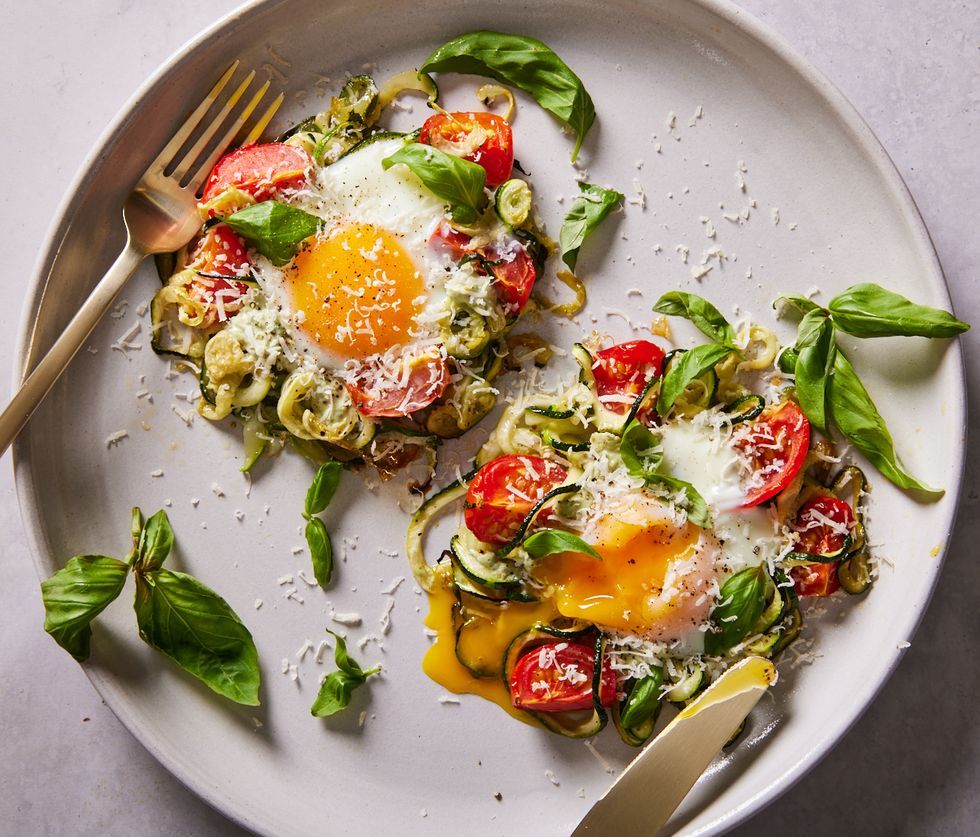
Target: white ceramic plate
(419, 766)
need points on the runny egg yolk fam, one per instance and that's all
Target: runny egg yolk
(358, 289)
(653, 578)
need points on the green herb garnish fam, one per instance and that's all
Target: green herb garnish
(337, 689)
(588, 210)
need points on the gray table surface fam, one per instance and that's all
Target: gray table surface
(911, 765)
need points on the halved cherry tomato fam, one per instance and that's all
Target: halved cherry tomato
(557, 677)
(513, 277)
(817, 536)
(776, 444)
(259, 170)
(220, 253)
(483, 138)
(504, 491)
(815, 579)
(512, 266)
(621, 372)
(420, 380)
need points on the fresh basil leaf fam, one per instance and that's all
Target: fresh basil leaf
(697, 508)
(787, 359)
(816, 349)
(197, 629)
(323, 487)
(640, 449)
(550, 541)
(588, 210)
(855, 414)
(321, 550)
(699, 311)
(743, 596)
(155, 542)
(274, 228)
(869, 310)
(336, 690)
(688, 366)
(799, 304)
(457, 181)
(525, 63)
(75, 595)
(644, 700)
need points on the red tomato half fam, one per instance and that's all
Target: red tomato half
(483, 138)
(621, 372)
(220, 253)
(513, 277)
(557, 677)
(445, 239)
(504, 491)
(418, 382)
(259, 170)
(820, 523)
(776, 443)
(815, 579)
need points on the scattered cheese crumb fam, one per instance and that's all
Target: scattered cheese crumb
(904, 644)
(352, 620)
(258, 603)
(552, 778)
(113, 439)
(284, 579)
(157, 473)
(774, 212)
(448, 699)
(217, 490)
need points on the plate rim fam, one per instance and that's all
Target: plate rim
(767, 38)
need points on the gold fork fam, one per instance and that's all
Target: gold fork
(160, 216)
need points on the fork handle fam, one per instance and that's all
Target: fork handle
(37, 384)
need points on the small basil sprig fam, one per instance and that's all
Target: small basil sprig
(338, 687)
(699, 311)
(318, 497)
(743, 598)
(640, 450)
(525, 63)
(177, 615)
(588, 210)
(274, 229)
(457, 181)
(827, 386)
(551, 541)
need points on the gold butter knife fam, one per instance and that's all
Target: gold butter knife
(649, 790)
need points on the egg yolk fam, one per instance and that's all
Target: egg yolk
(652, 580)
(358, 289)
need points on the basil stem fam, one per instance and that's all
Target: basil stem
(869, 310)
(338, 687)
(588, 210)
(75, 595)
(743, 598)
(816, 350)
(550, 541)
(525, 63)
(457, 181)
(274, 228)
(699, 311)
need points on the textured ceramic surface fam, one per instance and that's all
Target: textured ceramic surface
(843, 214)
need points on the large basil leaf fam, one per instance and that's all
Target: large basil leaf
(336, 690)
(75, 595)
(699, 311)
(816, 349)
(643, 700)
(323, 487)
(688, 366)
(869, 310)
(197, 629)
(457, 181)
(321, 550)
(274, 229)
(525, 63)
(855, 414)
(156, 539)
(743, 598)
(551, 541)
(588, 210)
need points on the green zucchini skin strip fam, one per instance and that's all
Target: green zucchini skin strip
(535, 510)
(423, 572)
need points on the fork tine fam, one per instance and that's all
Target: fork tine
(264, 120)
(183, 133)
(195, 182)
(204, 140)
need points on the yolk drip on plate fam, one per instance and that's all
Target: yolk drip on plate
(358, 289)
(650, 578)
(486, 642)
